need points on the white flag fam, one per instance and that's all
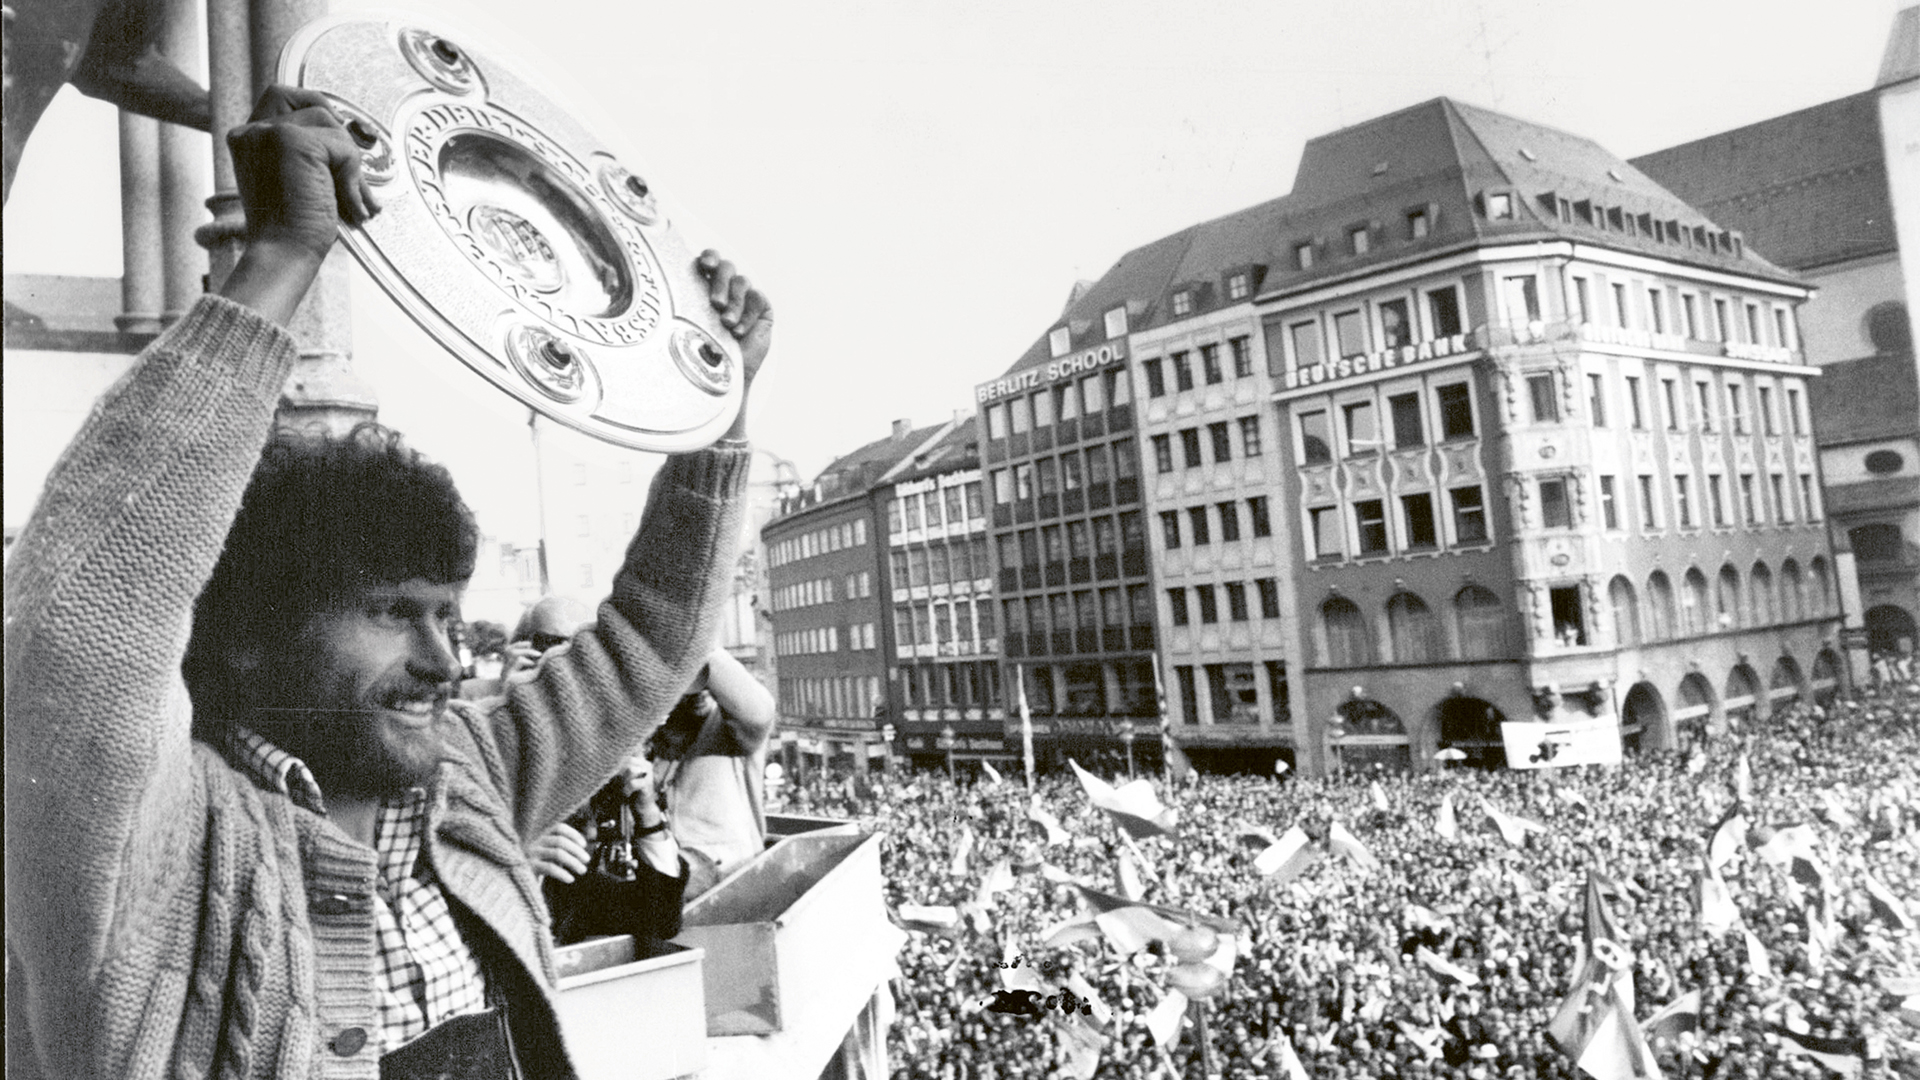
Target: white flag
(1447, 826)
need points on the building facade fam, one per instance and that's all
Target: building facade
(1068, 531)
(1549, 454)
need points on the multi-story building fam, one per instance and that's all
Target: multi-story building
(946, 689)
(1219, 536)
(1833, 192)
(828, 591)
(1069, 531)
(1547, 442)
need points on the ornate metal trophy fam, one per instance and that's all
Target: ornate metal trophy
(519, 241)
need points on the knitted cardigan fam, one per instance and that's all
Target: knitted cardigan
(166, 915)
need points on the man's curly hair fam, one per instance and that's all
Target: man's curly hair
(322, 517)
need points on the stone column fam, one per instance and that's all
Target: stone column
(142, 290)
(182, 172)
(230, 80)
(323, 392)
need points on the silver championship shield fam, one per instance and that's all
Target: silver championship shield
(519, 241)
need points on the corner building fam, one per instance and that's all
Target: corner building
(1547, 453)
(1069, 537)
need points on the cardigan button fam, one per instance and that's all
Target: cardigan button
(333, 904)
(349, 1042)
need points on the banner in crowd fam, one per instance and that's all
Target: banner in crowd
(1553, 746)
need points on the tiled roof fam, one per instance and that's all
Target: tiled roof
(1440, 156)
(1876, 397)
(1808, 188)
(959, 448)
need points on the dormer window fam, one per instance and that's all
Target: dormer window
(1303, 255)
(1238, 286)
(1499, 206)
(1117, 323)
(1360, 240)
(1183, 302)
(1060, 341)
(1418, 224)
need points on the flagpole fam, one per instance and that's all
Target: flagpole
(1026, 723)
(1166, 723)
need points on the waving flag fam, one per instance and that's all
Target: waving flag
(1345, 843)
(1717, 911)
(1080, 1044)
(1285, 1059)
(1379, 796)
(1886, 906)
(1757, 959)
(1133, 806)
(1080, 928)
(1440, 965)
(993, 774)
(1682, 1014)
(1447, 826)
(957, 866)
(999, 879)
(1128, 877)
(1594, 1026)
(1257, 837)
(1513, 829)
(1164, 1021)
(1727, 840)
(1844, 1056)
(1288, 857)
(1043, 817)
(1743, 779)
(928, 918)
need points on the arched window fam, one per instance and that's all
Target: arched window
(1726, 599)
(1660, 606)
(1374, 735)
(1783, 685)
(1696, 708)
(1415, 634)
(1825, 682)
(1821, 591)
(1793, 592)
(1346, 630)
(1693, 603)
(1741, 694)
(1626, 611)
(1760, 594)
(1482, 624)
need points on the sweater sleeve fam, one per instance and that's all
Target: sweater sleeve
(562, 733)
(99, 602)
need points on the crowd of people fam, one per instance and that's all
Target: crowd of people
(1328, 960)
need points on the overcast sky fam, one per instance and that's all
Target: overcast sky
(917, 185)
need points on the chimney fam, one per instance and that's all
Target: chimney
(901, 428)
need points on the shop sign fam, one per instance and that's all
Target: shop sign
(1349, 366)
(1063, 368)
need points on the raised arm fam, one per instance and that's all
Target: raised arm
(563, 732)
(101, 589)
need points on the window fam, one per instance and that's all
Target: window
(1177, 606)
(1499, 205)
(1350, 331)
(1079, 545)
(1325, 521)
(1418, 511)
(1269, 591)
(1723, 328)
(1238, 286)
(1021, 414)
(1597, 399)
(1703, 392)
(1649, 518)
(1163, 453)
(1456, 411)
(1306, 343)
(1407, 429)
(1229, 521)
(1636, 403)
(1690, 315)
(1071, 478)
(1257, 513)
(1116, 322)
(1806, 497)
(1469, 515)
(1197, 524)
(1748, 511)
(1119, 388)
(1060, 341)
(1362, 436)
(1656, 311)
(1414, 631)
(1222, 441)
(1190, 447)
(1716, 499)
(1002, 488)
(1156, 382)
(1099, 471)
(1303, 255)
(1126, 465)
(1522, 296)
(1582, 300)
(1183, 302)
(1043, 409)
(1418, 224)
(1359, 241)
(1793, 411)
(1396, 329)
(1782, 509)
(1049, 472)
(1672, 398)
(1554, 510)
(1210, 364)
(1250, 436)
(1090, 395)
(1781, 329)
(1316, 446)
(1609, 508)
(1737, 408)
(1683, 500)
(1022, 490)
(1237, 601)
(1768, 424)
(1170, 528)
(1620, 317)
(1370, 516)
(1541, 392)
(1182, 371)
(1346, 634)
(1242, 357)
(1209, 606)
(1189, 697)
(1753, 323)
(1066, 403)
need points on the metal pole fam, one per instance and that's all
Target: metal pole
(1205, 1034)
(142, 285)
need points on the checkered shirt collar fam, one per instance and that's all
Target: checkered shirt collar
(274, 767)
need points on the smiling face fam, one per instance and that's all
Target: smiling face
(359, 690)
